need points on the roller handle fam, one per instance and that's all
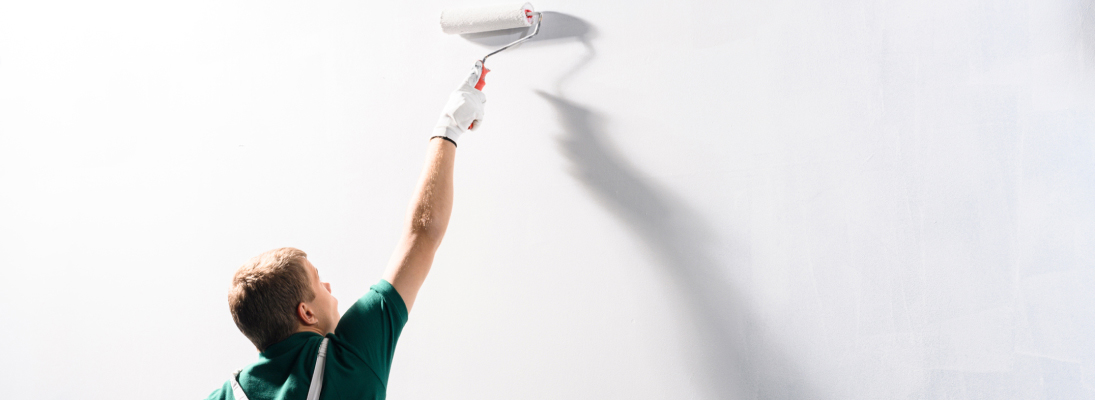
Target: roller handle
(479, 86)
(482, 82)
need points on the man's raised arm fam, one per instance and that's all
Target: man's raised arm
(431, 205)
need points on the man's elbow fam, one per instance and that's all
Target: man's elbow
(425, 230)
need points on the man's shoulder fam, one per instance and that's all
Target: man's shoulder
(380, 302)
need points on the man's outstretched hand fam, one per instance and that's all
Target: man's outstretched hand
(464, 110)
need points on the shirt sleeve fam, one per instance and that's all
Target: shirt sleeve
(372, 326)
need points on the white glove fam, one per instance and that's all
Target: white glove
(464, 109)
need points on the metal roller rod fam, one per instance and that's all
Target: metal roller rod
(535, 30)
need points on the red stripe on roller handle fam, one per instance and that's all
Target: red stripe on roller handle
(479, 86)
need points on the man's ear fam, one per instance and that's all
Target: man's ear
(305, 315)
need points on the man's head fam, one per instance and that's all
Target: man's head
(278, 293)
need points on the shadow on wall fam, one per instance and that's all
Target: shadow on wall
(556, 27)
(729, 351)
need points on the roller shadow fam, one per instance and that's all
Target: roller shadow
(556, 28)
(729, 350)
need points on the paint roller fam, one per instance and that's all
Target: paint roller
(491, 18)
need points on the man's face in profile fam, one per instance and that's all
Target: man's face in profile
(325, 305)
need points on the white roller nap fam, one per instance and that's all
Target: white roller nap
(486, 18)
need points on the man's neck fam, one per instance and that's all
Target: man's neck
(311, 328)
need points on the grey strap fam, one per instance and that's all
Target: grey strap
(237, 391)
(313, 389)
(317, 375)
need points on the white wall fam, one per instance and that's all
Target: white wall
(710, 200)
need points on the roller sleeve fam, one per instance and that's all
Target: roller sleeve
(486, 18)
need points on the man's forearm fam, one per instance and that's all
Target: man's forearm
(427, 220)
(431, 205)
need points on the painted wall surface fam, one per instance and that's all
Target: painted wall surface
(666, 200)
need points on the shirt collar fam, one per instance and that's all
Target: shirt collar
(289, 343)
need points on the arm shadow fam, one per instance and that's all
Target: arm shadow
(729, 349)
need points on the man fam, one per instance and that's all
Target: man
(279, 302)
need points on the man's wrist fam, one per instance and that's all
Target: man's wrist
(446, 138)
(447, 130)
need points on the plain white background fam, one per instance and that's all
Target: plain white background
(666, 200)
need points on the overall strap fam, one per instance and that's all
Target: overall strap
(237, 391)
(317, 375)
(313, 389)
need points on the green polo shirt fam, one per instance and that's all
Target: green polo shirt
(359, 355)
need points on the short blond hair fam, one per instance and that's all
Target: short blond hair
(265, 293)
